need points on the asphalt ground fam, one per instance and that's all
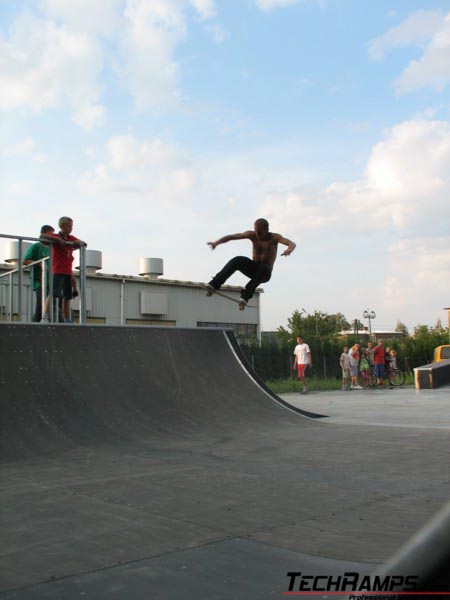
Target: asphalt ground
(390, 407)
(142, 463)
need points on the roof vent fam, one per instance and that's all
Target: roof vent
(93, 261)
(12, 251)
(152, 268)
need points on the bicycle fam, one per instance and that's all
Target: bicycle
(395, 377)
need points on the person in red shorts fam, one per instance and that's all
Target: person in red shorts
(64, 284)
(302, 361)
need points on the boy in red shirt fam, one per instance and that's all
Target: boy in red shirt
(378, 355)
(64, 284)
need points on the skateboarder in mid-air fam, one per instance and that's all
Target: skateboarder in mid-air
(259, 270)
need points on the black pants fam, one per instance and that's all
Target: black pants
(38, 309)
(258, 272)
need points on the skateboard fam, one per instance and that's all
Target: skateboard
(242, 305)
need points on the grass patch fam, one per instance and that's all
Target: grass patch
(315, 384)
(285, 386)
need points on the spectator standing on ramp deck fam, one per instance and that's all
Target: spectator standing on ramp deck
(64, 284)
(38, 251)
(259, 270)
(302, 361)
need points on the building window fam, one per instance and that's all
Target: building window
(239, 329)
(151, 322)
(98, 320)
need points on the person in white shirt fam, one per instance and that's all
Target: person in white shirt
(302, 361)
(345, 366)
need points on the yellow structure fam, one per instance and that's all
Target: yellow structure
(441, 353)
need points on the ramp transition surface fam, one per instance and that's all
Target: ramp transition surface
(69, 387)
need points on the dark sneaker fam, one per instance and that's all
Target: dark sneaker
(210, 290)
(242, 304)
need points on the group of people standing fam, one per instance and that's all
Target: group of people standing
(370, 363)
(62, 246)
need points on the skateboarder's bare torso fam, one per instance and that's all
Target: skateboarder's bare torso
(264, 242)
(264, 248)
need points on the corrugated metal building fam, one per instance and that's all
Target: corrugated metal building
(145, 300)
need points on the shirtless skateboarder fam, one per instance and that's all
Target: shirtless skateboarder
(259, 270)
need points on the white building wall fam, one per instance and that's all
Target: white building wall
(116, 300)
(186, 302)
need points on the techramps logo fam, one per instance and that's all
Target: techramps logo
(355, 586)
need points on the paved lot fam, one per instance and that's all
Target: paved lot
(398, 407)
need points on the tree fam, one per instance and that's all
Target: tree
(401, 328)
(421, 331)
(356, 325)
(438, 327)
(318, 324)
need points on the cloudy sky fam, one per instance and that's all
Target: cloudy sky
(160, 125)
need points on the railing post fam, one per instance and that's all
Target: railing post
(122, 302)
(20, 275)
(11, 297)
(30, 301)
(82, 285)
(43, 285)
(50, 286)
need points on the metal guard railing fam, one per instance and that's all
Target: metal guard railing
(22, 317)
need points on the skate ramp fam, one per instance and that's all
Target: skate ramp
(64, 387)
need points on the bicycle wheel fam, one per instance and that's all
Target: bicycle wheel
(396, 377)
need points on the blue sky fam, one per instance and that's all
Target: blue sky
(160, 125)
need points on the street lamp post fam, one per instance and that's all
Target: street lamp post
(369, 314)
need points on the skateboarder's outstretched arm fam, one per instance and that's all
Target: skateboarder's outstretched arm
(289, 243)
(229, 238)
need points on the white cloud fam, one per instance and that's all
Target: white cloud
(406, 185)
(151, 33)
(402, 197)
(415, 29)
(433, 68)
(23, 148)
(99, 17)
(55, 53)
(40, 158)
(217, 32)
(90, 117)
(136, 170)
(205, 8)
(267, 5)
(26, 148)
(19, 188)
(47, 66)
(417, 275)
(429, 30)
(126, 152)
